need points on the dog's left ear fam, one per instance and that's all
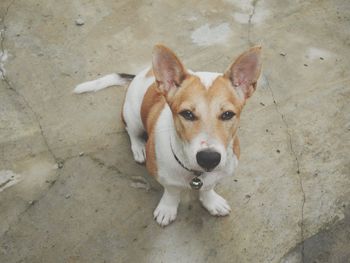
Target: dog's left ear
(167, 68)
(245, 71)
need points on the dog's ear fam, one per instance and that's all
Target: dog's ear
(167, 68)
(245, 71)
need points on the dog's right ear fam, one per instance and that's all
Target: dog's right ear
(167, 68)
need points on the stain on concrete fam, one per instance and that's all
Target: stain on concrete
(318, 53)
(330, 244)
(210, 35)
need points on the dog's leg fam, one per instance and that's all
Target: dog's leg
(166, 210)
(138, 144)
(214, 203)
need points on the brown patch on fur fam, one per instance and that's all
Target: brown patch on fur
(152, 105)
(151, 162)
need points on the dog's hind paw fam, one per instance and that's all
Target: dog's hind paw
(139, 152)
(214, 203)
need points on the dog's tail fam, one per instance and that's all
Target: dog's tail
(104, 82)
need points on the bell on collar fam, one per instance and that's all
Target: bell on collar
(196, 183)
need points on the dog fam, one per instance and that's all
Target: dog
(191, 121)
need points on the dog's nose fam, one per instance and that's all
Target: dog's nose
(208, 159)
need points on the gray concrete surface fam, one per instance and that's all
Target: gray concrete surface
(68, 183)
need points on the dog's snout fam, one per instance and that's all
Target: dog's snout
(208, 159)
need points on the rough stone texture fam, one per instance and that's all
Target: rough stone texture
(293, 183)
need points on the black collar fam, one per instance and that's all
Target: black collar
(195, 172)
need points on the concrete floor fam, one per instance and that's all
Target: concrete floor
(69, 188)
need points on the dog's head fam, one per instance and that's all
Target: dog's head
(206, 107)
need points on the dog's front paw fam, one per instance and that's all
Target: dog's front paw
(214, 203)
(165, 214)
(139, 152)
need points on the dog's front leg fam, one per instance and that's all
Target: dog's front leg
(214, 203)
(166, 210)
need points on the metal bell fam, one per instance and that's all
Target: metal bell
(196, 183)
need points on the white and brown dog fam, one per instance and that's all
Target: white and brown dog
(191, 120)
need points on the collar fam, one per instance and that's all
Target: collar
(195, 172)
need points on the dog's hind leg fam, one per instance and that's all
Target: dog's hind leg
(132, 114)
(135, 129)
(138, 144)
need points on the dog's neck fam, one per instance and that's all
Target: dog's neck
(176, 146)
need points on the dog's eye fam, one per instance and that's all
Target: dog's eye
(188, 115)
(227, 115)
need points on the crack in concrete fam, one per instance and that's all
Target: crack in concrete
(5, 183)
(32, 203)
(36, 117)
(297, 164)
(102, 163)
(10, 87)
(254, 3)
(2, 38)
(27, 104)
